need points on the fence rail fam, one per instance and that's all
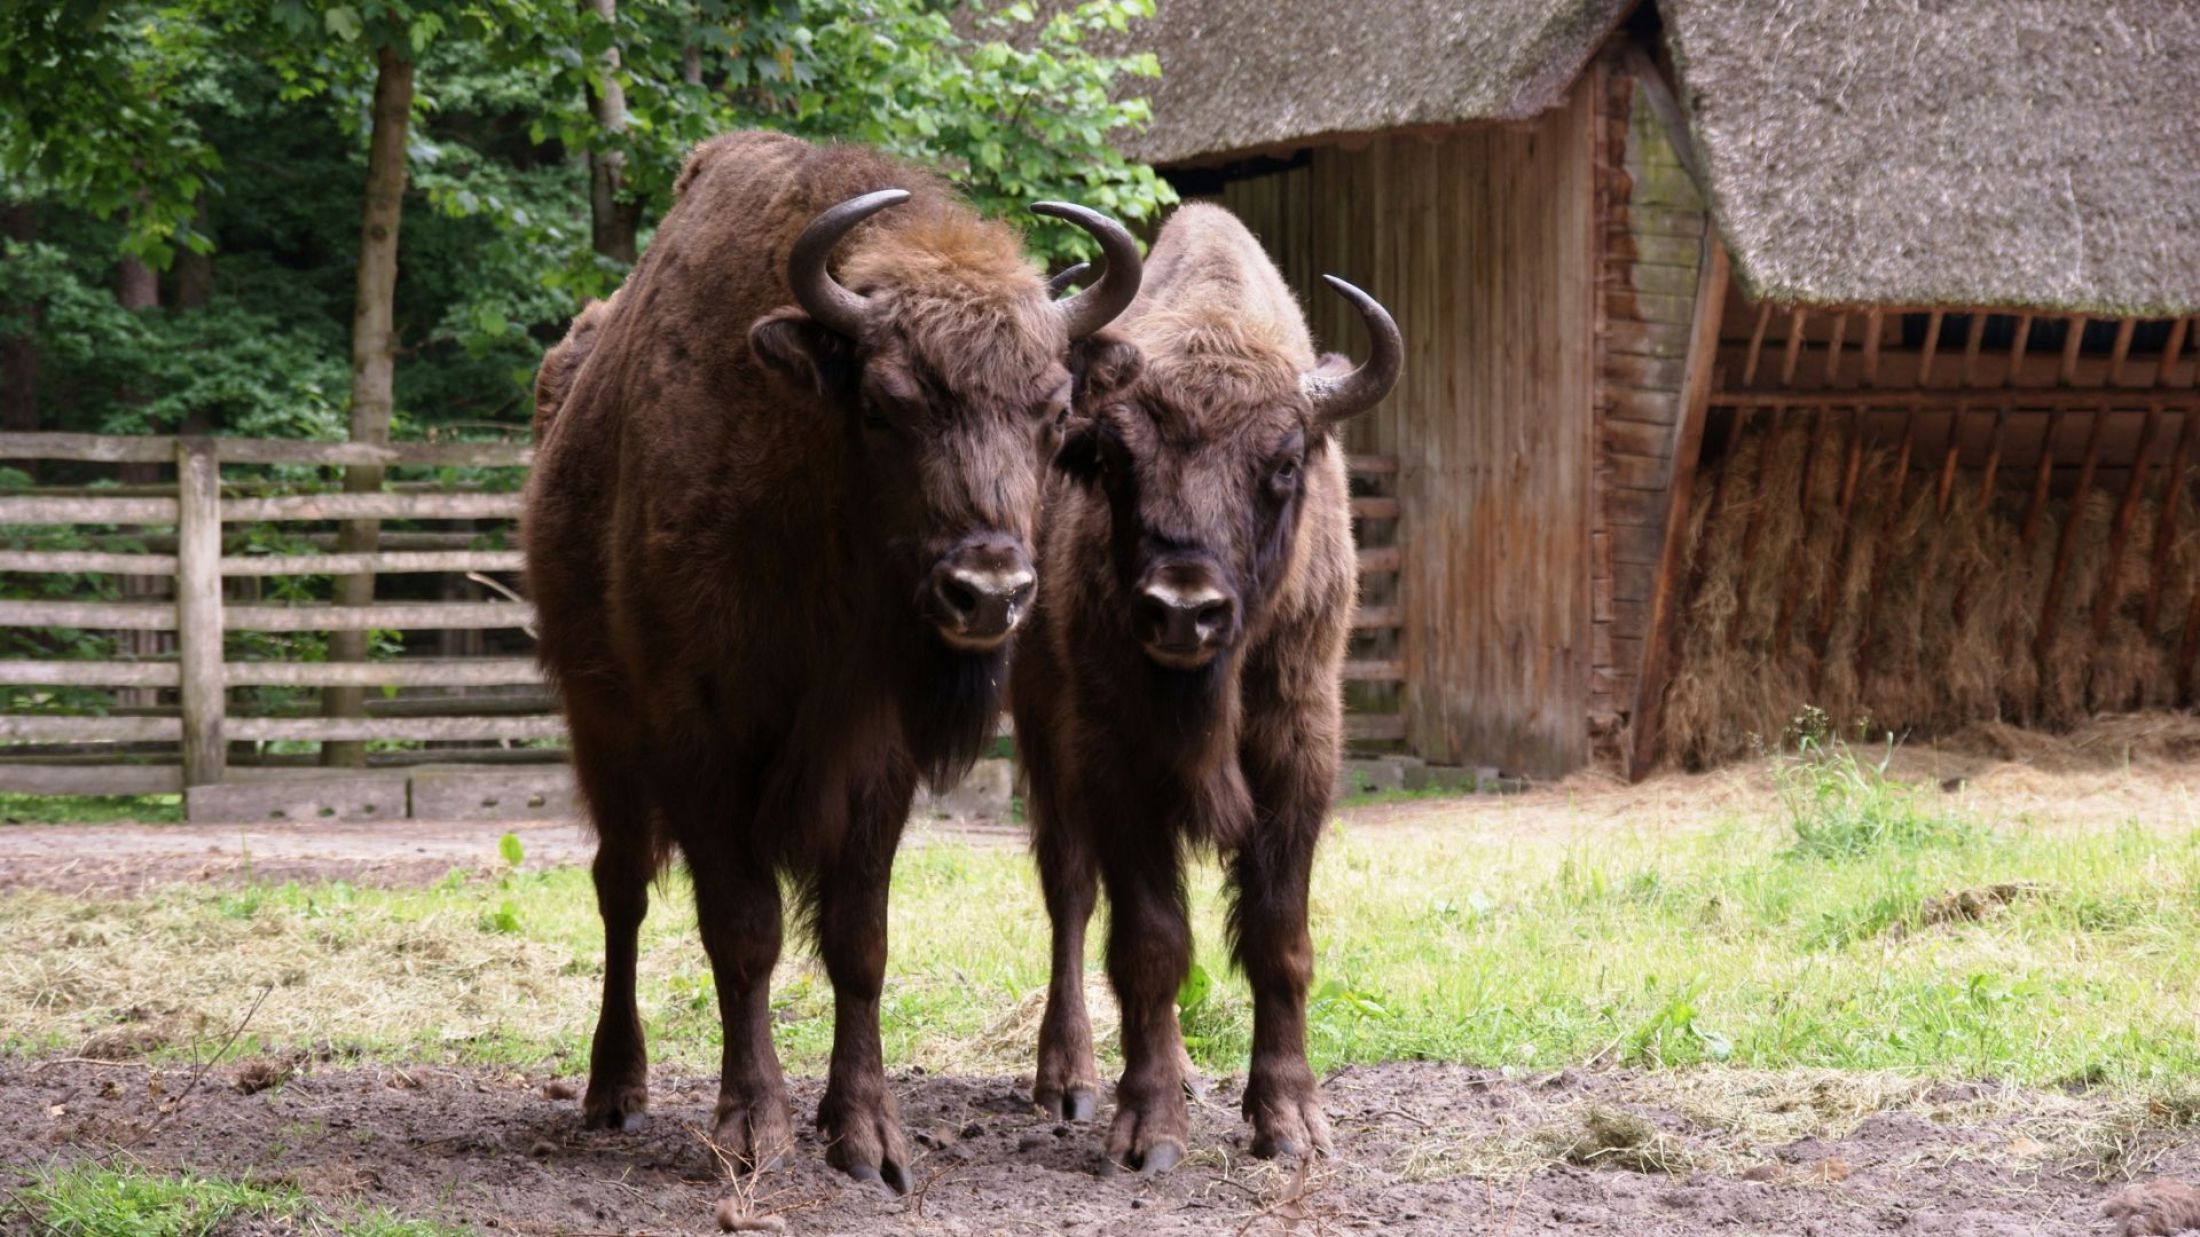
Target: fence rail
(196, 558)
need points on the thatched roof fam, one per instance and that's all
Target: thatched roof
(2022, 152)
(1249, 76)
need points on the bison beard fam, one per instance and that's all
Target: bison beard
(778, 535)
(1181, 685)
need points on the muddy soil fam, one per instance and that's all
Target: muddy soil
(1415, 1145)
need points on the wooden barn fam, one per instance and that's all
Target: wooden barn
(1761, 355)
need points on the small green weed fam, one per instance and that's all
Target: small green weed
(1841, 807)
(89, 1201)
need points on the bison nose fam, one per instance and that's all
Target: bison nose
(980, 591)
(1184, 617)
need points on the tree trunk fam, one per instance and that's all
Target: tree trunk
(192, 284)
(137, 288)
(373, 363)
(613, 221)
(19, 346)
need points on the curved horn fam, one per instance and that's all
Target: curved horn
(814, 288)
(1334, 399)
(1069, 279)
(1098, 305)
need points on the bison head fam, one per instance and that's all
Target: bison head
(1202, 446)
(949, 360)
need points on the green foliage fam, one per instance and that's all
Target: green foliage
(91, 1201)
(1841, 807)
(85, 809)
(512, 850)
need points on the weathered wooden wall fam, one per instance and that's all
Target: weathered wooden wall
(1481, 242)
(1651, 225)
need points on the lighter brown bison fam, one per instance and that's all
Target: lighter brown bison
(1180, 685)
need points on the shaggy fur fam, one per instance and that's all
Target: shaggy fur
(729, 520)
(1208, 446)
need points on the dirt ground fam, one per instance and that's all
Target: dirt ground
(506, 1152)
(1422, 1147)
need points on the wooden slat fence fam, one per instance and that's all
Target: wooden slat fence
(51, 755)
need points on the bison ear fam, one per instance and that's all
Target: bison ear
(1102, 364)
(804, 351)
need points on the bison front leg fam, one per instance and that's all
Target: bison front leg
(1149, 953)
(618, 1061)
(738, 907)
(858, 1116)
(1066, 1084)
(1270, 878)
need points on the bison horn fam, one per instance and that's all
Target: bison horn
(814, 287)
(1068, 279)
(1348, 395)
(1098, 305)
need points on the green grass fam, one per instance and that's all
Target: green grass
(88, 1200)
(1791, 939)
(89, 809)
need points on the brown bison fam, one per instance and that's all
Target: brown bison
(778, 533)
(1180, 683)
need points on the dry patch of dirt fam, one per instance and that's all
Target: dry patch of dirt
(1422, 1148)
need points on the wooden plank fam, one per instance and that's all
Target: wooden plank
(199, 611)
(404, 672)
(45, 728)
(308, 800)
(1638, 438)
(1649, 339)
(360, 729)
(451, 792)
(90, 615)
(1374, 727)
(1376, 618)
(2051, 604)
(1374, 671)
(384, 562)
(71, 561)
(398, 616)
(88, 673)
(1660, 408)
(1371, 465)
(1378, 560)
(1374, 508)
(161, 449)
(2119, 536)
(410, 506)
(1687, 448)
(2023, 399)
(1645, 373)
(33, 509)
(106, 778)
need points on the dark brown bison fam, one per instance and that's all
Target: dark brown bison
(1180, 682)
(778, 533)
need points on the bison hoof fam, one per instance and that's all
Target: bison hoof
(1076, 1103)
(753, 1134)
(864, 1140)
(616, 1108)
(1288, 1124)
(1148, 1138)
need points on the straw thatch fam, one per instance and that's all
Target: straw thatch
(1997, 152)
(1934, 616)
(1241, 77)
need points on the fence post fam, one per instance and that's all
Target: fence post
(199, 610)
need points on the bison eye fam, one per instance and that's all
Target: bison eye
(1286, 476)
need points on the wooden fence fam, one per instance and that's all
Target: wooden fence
(128, 750)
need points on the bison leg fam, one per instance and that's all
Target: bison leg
(858, 1116)
(1270, 876)
(738, 908)
(1066, 1085)
(1149, 953)
(618, 1060)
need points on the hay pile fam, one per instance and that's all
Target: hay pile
(1909, 620)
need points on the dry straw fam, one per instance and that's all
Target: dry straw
(1935, 608)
